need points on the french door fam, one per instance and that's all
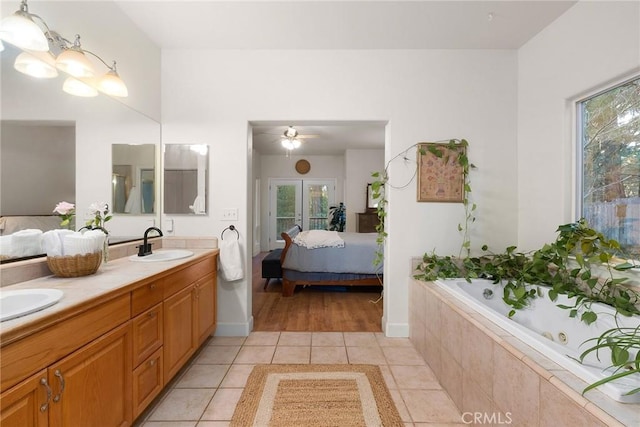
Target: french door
(296, 201)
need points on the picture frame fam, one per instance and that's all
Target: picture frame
(440, 174)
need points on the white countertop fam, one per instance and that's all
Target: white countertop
(112, 279)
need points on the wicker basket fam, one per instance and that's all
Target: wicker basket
(75, 266)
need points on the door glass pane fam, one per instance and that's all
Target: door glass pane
(318, 206)
(285, 208)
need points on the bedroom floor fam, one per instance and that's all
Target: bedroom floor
(348, 309)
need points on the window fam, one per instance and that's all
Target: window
(609, 138)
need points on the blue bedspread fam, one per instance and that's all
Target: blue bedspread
(356, 256)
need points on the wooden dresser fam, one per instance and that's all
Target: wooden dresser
(366, 222)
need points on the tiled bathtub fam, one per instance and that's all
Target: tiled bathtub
(495, 378)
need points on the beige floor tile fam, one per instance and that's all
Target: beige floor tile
(366, 355)
(327, 339)
(402, 356)
(295, 339)
(216, 355)
(292, 354)
(360, 339)
(182, 404)
(388, 377)
(227, 341)
(400, 406)
(237, 376)
(392, 342)
(430, 406)
(169, 424)
(222, 405)
(256, 354)
(414, 377)
(262, 338)
(328, 355)
(202, 376)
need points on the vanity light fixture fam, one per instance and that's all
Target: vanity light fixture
(37, 64)
(41, 61)
(20, 29)
(76, 87)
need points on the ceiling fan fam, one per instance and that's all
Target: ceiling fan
(292, 139)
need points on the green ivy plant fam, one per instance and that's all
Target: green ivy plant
(381, 184)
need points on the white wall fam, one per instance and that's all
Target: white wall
(588, 48)
(424, 95)
(359, 164)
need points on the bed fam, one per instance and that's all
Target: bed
(350, 265)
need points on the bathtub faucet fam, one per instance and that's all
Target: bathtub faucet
(487, 293)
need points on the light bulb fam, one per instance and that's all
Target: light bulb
(112, 84)
(20, 30)
(36, 64)
(78, 88)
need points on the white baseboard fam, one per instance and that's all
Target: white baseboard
(395, 330)
(234, 329)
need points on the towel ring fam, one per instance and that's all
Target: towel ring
(232, 228)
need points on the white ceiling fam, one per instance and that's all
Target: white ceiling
(325, 24)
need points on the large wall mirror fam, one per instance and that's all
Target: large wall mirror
(133, 179)
(56, 147)
(185, 178)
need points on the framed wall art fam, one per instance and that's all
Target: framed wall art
(440, 174)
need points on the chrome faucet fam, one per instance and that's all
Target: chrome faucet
(145, 248)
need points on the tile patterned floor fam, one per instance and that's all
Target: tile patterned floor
(206, 391)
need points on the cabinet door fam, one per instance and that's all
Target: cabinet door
(179, 331)
(26, 404)
(92, 386)
(205, 298)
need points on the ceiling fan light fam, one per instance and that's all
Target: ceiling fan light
(286, 143)
(74, 62)
(78, 88)
(36, 64)
(296, 143)
(20, 30)
(112, 84)
(291, 132)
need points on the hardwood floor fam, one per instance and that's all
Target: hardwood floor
(314, 309)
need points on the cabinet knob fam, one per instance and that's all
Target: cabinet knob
(152, 362)
(152, 314)
(152, 286)
(45, 384)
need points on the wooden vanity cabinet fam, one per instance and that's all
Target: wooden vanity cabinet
(105, 365)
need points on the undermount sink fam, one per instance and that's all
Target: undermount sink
(162, 255)
(20, 302)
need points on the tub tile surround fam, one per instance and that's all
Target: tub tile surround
(22, 271)
(494, 373)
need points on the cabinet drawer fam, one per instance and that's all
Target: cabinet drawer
(183, 278)
(146, 297)
(147, 333)
(147, 382)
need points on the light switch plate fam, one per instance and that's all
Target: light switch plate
(230, 214)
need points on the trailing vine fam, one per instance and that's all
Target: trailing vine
(443, 149)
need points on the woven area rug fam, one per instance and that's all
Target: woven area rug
(315, 395)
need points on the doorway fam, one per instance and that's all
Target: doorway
(305, 202)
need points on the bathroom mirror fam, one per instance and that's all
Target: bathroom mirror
(133, 179)
(185, 178)
(56, 147)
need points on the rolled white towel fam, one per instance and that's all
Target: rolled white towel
(51, 243)
(97, 237)
(77, 244)
(26, 242)
(5, 246)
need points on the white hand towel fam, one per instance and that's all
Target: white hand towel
(230, 260)
(97, 237)
(51, 243)
(26, 242)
